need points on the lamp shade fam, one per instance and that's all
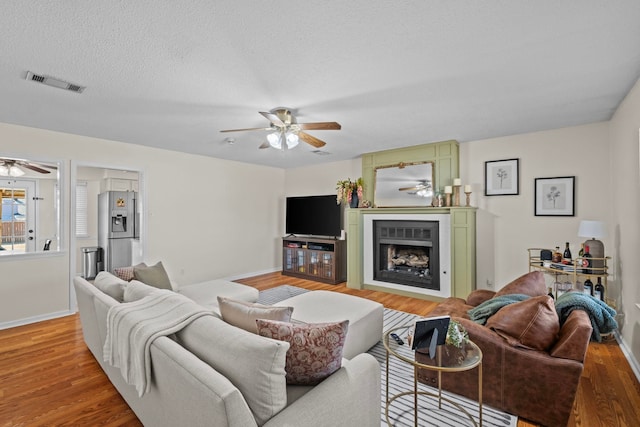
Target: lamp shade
(11, 170)
(292, 140)
(15, 171)
(594, 229)
(274, 140)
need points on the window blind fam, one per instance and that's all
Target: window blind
(82, 215)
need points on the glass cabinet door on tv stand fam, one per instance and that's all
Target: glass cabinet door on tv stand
(317, 259)
(573, 275)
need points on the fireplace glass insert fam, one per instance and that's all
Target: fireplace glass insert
(407, 253)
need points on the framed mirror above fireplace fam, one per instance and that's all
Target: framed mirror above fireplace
(404, 184)
(442, 156)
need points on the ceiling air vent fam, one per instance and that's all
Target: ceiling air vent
(52, 81)
(321, 153)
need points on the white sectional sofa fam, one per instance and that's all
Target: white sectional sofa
(214, 374)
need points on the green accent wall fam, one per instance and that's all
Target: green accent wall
(445, 156)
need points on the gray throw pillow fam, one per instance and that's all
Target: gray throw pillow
(152, 275)
(244, 314)
(137, 290)
(110, 285)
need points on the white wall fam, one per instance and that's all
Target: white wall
(231, 224)
(320, 179)
(507, 226)
(624, 186)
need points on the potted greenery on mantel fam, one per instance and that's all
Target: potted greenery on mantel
(350, 192)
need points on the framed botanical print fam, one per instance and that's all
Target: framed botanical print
(555, 196)
(501, 177)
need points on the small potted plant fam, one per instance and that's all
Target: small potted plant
(349, 192)
(457, 338)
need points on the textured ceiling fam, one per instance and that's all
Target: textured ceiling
(172, 74)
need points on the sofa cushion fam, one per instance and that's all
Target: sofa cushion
(532, 284)
(479, 296)
(532, 323)
(254, 364)
(136, 290)
(125, 273)
(110, 285)
(207, 293)
(315, 349)
(153, 275)
(244, 314)
(452, 306)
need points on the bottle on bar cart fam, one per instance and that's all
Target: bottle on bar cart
(598, 291)
(586, 260)
(566, 255)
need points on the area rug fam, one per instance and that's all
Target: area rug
(401, 379)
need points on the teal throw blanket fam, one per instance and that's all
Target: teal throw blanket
(601, 315)
(482, 312)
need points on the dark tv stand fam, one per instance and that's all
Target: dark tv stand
(313, 258)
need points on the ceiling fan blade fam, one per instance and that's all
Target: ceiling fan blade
(32, 167)
(311, 140)
(242, 130)
(416, 187)
(273, 118)
(264, 145)
(320, 126)
(48, 166)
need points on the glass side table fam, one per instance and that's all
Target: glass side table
(472, 358)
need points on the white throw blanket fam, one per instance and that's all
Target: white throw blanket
(132, 327)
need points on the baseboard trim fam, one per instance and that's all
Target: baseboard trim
(635, 366)
(35, 319)
(252, 274)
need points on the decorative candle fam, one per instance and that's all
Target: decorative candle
(467, 188)
(447, 189)
(457, 182)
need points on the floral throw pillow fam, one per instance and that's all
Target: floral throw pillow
(315, 350)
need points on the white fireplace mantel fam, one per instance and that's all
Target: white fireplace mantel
(461, 239)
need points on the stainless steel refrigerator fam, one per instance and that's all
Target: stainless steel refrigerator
(118, 224)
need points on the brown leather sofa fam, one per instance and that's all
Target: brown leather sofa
(534, 373)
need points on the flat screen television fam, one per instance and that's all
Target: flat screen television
(313, 215)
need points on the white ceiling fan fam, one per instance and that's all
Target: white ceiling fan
(286, 132)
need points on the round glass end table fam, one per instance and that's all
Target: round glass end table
(469, 358)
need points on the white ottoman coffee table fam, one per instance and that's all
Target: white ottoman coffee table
(206, 293)
(365, 316)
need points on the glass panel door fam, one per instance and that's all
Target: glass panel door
(17, 220)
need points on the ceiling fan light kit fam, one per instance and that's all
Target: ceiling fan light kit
(12, 170)
(286, 133)
(276, 138)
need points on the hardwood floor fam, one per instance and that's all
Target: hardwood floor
(48, 377)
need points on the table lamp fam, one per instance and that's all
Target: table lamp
(595, 230)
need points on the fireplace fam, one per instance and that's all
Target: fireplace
(407, 253)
